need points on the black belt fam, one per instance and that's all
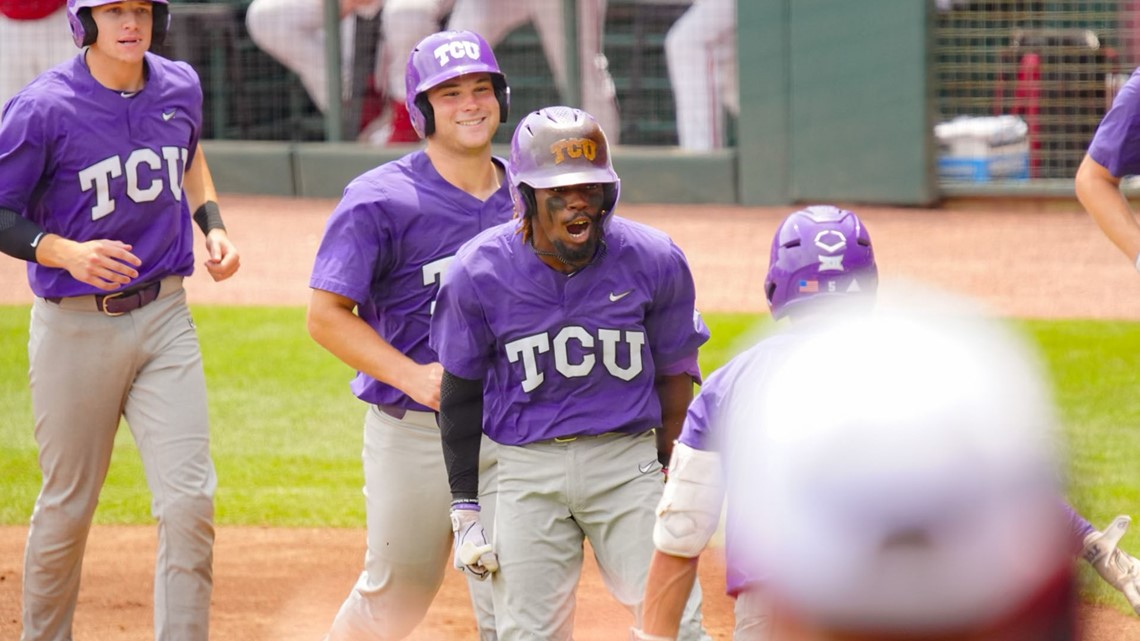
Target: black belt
(128, 300)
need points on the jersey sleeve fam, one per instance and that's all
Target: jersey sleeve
(24, 151)
(1116, 144)
(459, 331)
(676, 329)
(356, 247)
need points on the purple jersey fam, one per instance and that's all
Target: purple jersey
(706, 429)
(386, 245)
(1116, 144)
(84, 162)
(564, 355)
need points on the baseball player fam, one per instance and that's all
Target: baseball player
(30, 41)
(1113, 154)
(497, 18)
(100, 168)
(293, 32)
(570, 337)
(374, 285)
(820, 255)
(700, 50)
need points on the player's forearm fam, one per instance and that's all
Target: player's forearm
(675, 392)
(1099, 193)
(349, 338)
(667, 590)
(461, 433)
(198, 183)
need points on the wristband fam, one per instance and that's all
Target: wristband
(465, 504)
(209, 217)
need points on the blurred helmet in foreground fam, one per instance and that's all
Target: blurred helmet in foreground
(904, 475)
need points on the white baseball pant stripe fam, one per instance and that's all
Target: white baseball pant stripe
(86, 370)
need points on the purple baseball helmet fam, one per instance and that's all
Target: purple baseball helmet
(819, 251)
(557, 147)
(84, 31)
(443, 56)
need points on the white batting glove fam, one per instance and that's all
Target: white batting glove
(1118, 568)
(472, 550)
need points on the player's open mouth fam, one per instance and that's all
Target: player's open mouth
(471, 123)
(579, 228)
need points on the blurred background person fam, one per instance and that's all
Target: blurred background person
(495, 19)
(403, 24)
(293, 32)
(30, 41)
(700, 50)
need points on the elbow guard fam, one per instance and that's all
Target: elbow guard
(689, 511)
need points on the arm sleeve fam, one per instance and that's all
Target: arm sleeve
(461, 430)
(18, 235)
(1116, 143)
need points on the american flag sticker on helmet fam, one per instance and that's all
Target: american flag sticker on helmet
(809, 286)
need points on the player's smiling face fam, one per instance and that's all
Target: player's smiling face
(466, 111)
(124, 29)
(568, 221)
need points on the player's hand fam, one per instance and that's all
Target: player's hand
(1118, 568)
(473, 553)
(423, 384)
(224, 259)
(106, 264)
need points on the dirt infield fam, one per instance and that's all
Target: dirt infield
(285, 585)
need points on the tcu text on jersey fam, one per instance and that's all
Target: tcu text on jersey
(530, 347)
(142, 186)
(456, 49)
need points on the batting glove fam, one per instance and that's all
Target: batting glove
(472, 551)
(1118, 568)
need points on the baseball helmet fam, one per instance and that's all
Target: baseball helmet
(443, 56)
(557, 147)
(819, 251)
(84, 31)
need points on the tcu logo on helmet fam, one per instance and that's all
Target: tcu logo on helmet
(838, 242)
(574, 148)
(143, 186)
(456, 49)
(529, 347)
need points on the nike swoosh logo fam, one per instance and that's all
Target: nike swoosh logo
(616, 297)
(168, 115)
(646, 468)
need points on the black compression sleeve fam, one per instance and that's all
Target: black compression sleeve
(18, 235)
(461, 429)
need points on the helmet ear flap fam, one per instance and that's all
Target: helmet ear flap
(503, 94)
(161, 18)
(90, 29)
(424, 105)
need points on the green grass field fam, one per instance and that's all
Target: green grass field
(286, 430)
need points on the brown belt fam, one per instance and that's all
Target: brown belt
(128, 300)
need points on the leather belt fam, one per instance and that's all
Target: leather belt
(119, 303)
